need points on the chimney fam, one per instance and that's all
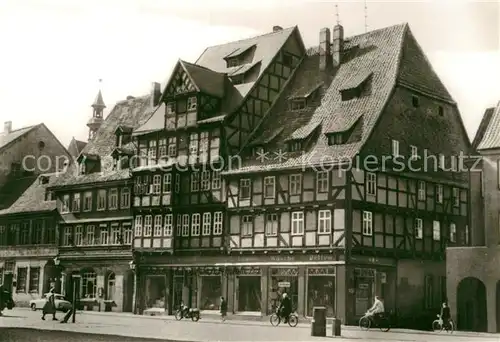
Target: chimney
(155, 94)
(277, 28)
(7, 127)
(325, 52)
(338, 44)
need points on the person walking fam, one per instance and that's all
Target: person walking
(50, 306)
(223, 308)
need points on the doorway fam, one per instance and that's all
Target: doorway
(249, 294)
(471, 305)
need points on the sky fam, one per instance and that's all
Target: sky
(53, 52)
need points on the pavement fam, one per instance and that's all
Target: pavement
(207, 329)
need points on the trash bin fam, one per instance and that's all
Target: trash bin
(336, 322)
(318, 323)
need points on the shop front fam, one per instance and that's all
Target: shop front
(252, 285)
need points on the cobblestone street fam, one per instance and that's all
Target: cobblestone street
(166, 328)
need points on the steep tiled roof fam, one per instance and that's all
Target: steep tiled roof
(7, 138)
(33, 198)
(13, 188)
(488, 136)
(377, 53)
(75, 147)
(131, 113)
(266, 47)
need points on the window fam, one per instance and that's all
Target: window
(271, 225)
(336, 139)
(193, 144)
(269, 187)
(156, 184)
(172, 146)
(88, 287)
(298, 104)
(22, 275)
(162, 148)
(195, 181)
(167, 183)
(170, 107)
(322, 181)
(36, 232)
(395, 148)
(191, 103)
(178, 225)
(456, 197)
(247, 225)
(65, 204)
(104, 239)
(440, 110)
(439, 193)
(116, 237)
(34, 279)
(125, 198)
(295, 184)
(419, 228)
(185, 225)
(244, 189)
(367, 223)
(138, 226)
(414, 152)
(453, 232)
(87, 201)
(101, 200)
(195, 225)
(415, 101)
(421, 191)
(78, 235)
(428, 288)
(177, 183)
(205, 180)
(216, 180)
(204, 146)
(148, 225)
(233, 62)
(436, 231)
(218, 223)
(206, 224)
(24, 233)
(113, 199)
(127, 233)
(76, 203)
(295, 146)
(371, 183)
(68, 236)
(297, 223)
(90, 235)
(324, 222)
(157, 226)
(168, 225)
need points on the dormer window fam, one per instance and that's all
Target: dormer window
(82, 167)
(356, 86)
(238, 79)
(297, 104)
(233, 62)
(49, 195)
(191, 103)
(295, 146)
(336, 139)
(171, 108)
(120, 140)
(415, 101)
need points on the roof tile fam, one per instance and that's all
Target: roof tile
(488, 136)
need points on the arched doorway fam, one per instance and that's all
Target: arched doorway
(471, 305)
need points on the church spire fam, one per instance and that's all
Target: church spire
(97, 118)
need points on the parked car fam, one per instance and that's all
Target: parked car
(61, 303)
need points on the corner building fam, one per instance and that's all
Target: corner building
(290, 217)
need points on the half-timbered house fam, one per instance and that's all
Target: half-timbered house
(346, 190)
(94, 201)
(205, 114)
(473, 276)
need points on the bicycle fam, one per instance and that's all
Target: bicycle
(275, 319)
(438, 325)
(382, 322)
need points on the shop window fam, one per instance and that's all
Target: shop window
(364, 279)
(155, 291)
(211, 290)
(283, 280)
(249, 293)
(22, 274)
(321, 290)
(34, 279)
(88, 287)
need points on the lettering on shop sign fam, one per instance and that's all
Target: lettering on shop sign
(282, 258)
(321, 257)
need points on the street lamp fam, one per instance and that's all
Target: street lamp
(74, 277)
(57, 261)
(131, 264)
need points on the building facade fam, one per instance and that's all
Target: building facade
(472, 272)
(301, 211)
(94, 201)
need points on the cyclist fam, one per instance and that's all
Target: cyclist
(445, 315)
(377, 309)
(285, 308)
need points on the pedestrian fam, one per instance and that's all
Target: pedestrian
(223, 308)
(2, 300)
(50, 306)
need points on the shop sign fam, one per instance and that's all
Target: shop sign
(284, 284)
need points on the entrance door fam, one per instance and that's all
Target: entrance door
(178, 285)
(249, 294)
(7, 281)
